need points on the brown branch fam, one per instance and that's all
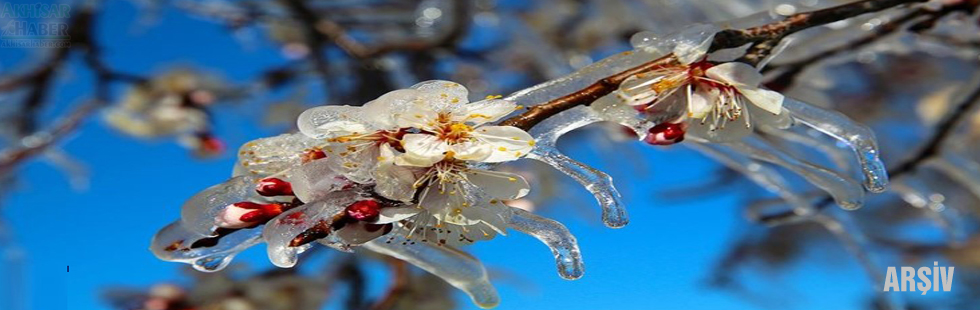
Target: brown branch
(725, 39)
(12, 157)
(788, 72)
(398, 287)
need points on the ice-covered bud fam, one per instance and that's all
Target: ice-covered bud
(364, 210)
(246, 214)
(274, 187)
(666, 133)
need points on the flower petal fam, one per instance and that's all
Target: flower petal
(314, 180)
(449, 92)
(392, 181)
(766, 99)
(395, 214)
(354, 160)
(500, 185)
(736, 74)
(422, 150)
(331, 121)
(358, 233)
(471, 150)
(380, 112)
(693, 43)
(508, 142)
(483, 111)
(701, 102)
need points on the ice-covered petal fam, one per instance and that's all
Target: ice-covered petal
(392, 181)
(199, 212)
(500, 185)
(354, 160)
(332, 121)
(507, 142)
(209, 254)
(268, 156)
(692, 43)
(422, 150)
(398, 213)
(859, 137)
(596, 182)
(484, 111)
(701, 101)
(314, 180)
(737, 74)
(553, 234)
(416, 113)
(380, 112)
(457, 268)
(471, 150)
(765, 99)
(450, 92)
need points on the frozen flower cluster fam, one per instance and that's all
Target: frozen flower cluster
(413, 174)
(409, 174)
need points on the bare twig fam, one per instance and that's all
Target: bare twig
(399, 284)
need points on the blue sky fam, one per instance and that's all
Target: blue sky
(660, 261)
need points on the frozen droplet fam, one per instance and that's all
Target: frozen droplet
(858, 137)
(846, 193)
(456, 267)
(199, 212)
(553, 234)
(596, 182)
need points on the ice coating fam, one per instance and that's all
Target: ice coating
(280, 231)
(312, 180)
(596, 182)
(842, 225)
(198, 213)
(456, 267)
(961, 169)
(859, 137)
(318, 122)
(548, 131)
(846, 193)
(268, 156)
(555, 88)
(917, 193)
(177, 244)
(757, 172)
(553, 234)
(837, 154)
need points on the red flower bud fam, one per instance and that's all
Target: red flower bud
(364, 210)
(666, 134)
(274, 187)
(313, 154)
(246, 214)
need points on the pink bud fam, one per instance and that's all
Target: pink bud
(246, 214)
(364, 210)
(274, 187)
(666, 133)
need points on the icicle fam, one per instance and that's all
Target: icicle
(177, 244)
(548, 131)
(859, 137)
(456, 267)
(846, 193)
(759, 173)
(553, 234)
(596, 182)
(919, 195)
(961, 169)
(843, 227)
(838, 155)
(197, 214)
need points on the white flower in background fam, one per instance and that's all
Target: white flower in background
(713, 95)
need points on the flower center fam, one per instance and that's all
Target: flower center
(454, 132)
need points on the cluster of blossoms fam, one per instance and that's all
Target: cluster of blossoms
(409, 174)
(174, 104)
